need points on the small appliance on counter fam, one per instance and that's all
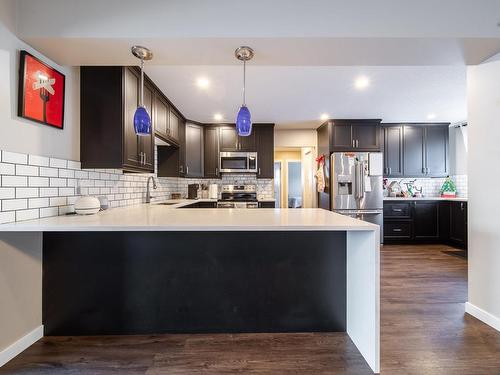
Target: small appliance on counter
(87, 205)
(194, 191)
(213, 191)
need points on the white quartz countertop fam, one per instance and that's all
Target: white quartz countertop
(155, 217)
(179, 203)
(458, 199)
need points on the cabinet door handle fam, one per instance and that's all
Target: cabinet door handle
(259, 171)
(216, 171)
(390, 170)
(357, 143)
(353, 143)
(187, 169)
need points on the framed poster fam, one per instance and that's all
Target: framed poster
(41, 92)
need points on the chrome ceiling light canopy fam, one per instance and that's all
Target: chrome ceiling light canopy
(244, 119)
(142, 119)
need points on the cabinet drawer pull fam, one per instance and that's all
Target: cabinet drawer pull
(397, 230)
(397, 210)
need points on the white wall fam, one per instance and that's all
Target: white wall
(295, 138)
(458, 150)
(22, 135)
(483, 93)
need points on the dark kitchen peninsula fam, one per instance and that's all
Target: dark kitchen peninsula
(150, 269)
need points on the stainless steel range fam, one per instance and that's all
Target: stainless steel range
(238, 196)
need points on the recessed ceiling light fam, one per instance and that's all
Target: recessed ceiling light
(324, 117)
(218, 117)
(361, 82)
(202, 83)
(431, 116)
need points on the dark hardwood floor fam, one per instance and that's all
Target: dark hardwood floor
(423, 326)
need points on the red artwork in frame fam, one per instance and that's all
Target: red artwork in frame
(41, 92)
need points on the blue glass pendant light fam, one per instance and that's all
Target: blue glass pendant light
(142, 119)
(244, 119)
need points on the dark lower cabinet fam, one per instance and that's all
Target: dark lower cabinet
(202, 205)
(267, 204)
(425, 220)
(417, 221)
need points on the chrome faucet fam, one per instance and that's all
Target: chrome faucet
(148, 194)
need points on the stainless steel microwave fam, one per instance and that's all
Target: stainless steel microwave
(238, 162)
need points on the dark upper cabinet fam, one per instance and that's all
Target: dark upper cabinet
(353, 135)
(414, 151)
(265, 150)
(194, 150)
(366, 137)
(342, 137)
(393, 151)
(211, 152)
(182, 147)
(248, 143)
(426, 220)
(436, 150)
(108, 100)
(174, 125)
(231, 141)
(161, 115)
(228, 139)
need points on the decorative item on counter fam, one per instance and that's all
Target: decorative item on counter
(385, 189)
(395, 189)
(204, 191)
(411, 188)
(87, 205)
(41, 92)
(176, 196)
(244, 119)
(320, 174)
(449, 189)
(213, 191)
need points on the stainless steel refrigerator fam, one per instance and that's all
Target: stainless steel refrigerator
(356, 186)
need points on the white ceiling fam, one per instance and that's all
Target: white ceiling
(308, 52)
(296, 96)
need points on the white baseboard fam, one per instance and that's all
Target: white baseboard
(20, 345)
(482, 315)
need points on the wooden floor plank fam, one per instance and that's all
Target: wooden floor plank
(424, 331)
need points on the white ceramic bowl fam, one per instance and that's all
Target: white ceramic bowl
(87, 205)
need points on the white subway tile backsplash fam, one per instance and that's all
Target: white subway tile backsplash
(26, 192)
(57, 182)
(38, 181)
(7, 217)
(40, 161)
(66, 173)
(74, 164)
(49, 192)
(49, 211)
(7, 193)
(14, 157)
(6, 168)
(27, 215)
(38, 202)
(57, 201)
(58, 163)
(14, 204)
(26, 170)
(48, 172)
(40, 186)
(14, 181)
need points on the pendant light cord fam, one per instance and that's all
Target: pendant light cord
(141, 97)
(244, 82)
